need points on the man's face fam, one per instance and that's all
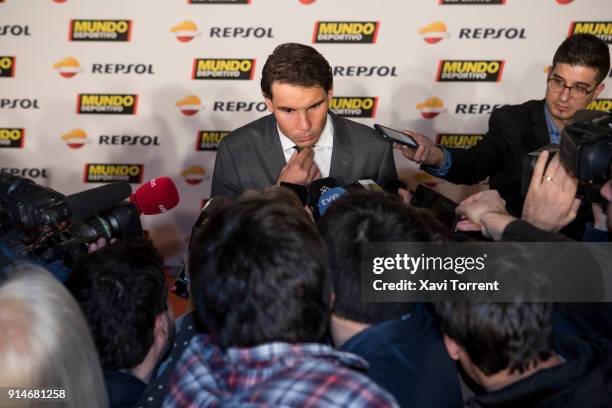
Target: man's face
(301, 112)
(563, 107)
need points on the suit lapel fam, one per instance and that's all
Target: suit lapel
(341, 153)
(539, 127)
(270, 150)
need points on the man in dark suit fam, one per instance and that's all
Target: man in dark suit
(575, 78)
(301, 140)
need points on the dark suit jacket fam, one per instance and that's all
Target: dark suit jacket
(513, 132)
(251, 157)
(407, 358)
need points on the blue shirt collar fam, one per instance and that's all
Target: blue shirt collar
(555, 136)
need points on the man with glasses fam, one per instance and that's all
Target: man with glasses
(575, 78)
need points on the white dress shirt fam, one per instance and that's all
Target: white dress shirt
(322, 149)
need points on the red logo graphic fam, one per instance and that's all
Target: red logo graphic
(431, 107)
(75, 139)
(434, 32)
(189, 105)
(194, 175)
(185, 31)
(68, 67)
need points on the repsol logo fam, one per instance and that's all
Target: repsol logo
(12, 137)
(490, 33)
(28, 172)
(138, 69)
(603, 105)
(7, 67)
(219, 1)
(100, 30)
(15, 30)
(602, 29)
(206, 68)
(470, 70)
(105, 104)
(458, 140)
(345, 32)
(19, 103)
(128, 140)
(476, 108)
(354, 106)
(241, 32)
(471, 2)
(210, 139)
(365, 71)
(108, 173)
(239, 106)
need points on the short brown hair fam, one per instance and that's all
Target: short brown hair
(585, 50)
(296, 64)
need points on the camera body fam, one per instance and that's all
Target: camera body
(585, 150)
(27, 232)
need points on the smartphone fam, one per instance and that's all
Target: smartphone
(443, 208)
(395, 136)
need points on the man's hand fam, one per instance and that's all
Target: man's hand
(551, 201)
(600, 218)
(486, 212)
(427, 153)
(405, 195)
(300, 169)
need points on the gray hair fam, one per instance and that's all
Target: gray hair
(45, 341)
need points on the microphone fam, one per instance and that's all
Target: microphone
(328, 198)
(390, 186)
(86, 203)
(156, 196)
(317, 189)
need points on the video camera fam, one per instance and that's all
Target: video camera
(41, 225)
(585, 150)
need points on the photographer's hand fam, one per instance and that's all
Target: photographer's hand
(551, 201)
(486, 212)
(98, 244)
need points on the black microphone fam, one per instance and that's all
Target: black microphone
(86, 203)
(316, 189)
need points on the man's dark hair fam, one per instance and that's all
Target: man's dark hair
(514, 335)
(121, 289)
(259, 274)
(296, 64)
(584, 50)
(497, 336)
(362, 217)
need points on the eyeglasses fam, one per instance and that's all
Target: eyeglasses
(576, 91)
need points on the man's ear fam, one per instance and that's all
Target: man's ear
(330, 94)
(453, 349)
(598, 89)
(269, 104)
(162, 327)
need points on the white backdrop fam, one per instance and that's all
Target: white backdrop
(45, 64)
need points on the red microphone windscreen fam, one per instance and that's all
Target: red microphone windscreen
(156, 196)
